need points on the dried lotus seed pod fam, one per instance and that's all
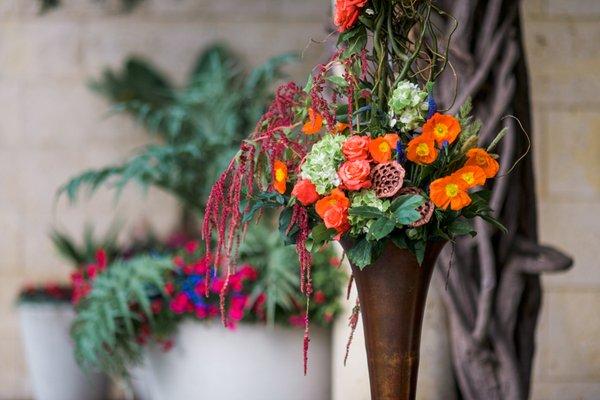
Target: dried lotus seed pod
(426, 209)
(387, 179)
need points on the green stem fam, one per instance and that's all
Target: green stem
(418, 45)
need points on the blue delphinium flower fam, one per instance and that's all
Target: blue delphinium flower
(432, 105)
(400, 153)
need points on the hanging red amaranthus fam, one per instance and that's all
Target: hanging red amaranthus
(223, 216)
(276, 147)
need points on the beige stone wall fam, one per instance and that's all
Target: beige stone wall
(562, 38)
(51, 126)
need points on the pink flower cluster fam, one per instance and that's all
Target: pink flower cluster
(82, 278)
(188, 289)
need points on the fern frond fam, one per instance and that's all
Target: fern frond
(104, 330)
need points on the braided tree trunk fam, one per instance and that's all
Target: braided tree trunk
(493, 291)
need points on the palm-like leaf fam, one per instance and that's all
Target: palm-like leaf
(200, 125)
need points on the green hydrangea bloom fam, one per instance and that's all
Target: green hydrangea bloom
(365, 197)
(322, 163)
(408, 106)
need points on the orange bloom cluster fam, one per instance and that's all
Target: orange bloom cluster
(361, 152)
(452, 191)
(438, 129)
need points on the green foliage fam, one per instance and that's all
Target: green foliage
(401, 212)
(360, 254)
(104, 329)
(278, 276)
(199, 126)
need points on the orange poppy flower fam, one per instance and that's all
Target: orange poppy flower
(471, 174)
(381, 147)
(280, 174)
(314, 124)
(449, 191)
(482, 159)
(421, 150)
(443, 128)
(340, 127)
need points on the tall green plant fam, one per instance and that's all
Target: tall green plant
(198, 126)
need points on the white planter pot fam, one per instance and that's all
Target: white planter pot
(49, 353)
(253, 362)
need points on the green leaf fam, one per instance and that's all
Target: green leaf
(356, 42)
(409, 201)
(338, 81)
(461, 227)
(320, 233)
(494, 222)
(309, 84)
(404, 208)
(419, 249)
(399, 241)
(288, 233)
(350, 34)
(481, 196)
(366, 212)
(381, 228)
(406, 216)
(360, 254)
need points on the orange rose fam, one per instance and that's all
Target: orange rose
(333, 209)
(356, 148)
(335, 198)
(471, 174)
(483, 160)
(336, 218)
(347, 13)
(381, 147)
(280, 175)
(449, 191)
(314, 124)
(443, 128)
(355, 174)
(305, 191)
(421, 150)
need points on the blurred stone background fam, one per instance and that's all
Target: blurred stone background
(52, 126)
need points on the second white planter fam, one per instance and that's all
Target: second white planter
(253, 362)
(49, 351)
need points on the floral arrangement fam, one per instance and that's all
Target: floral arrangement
(123, 305)
(362, 153)
(188, 294)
